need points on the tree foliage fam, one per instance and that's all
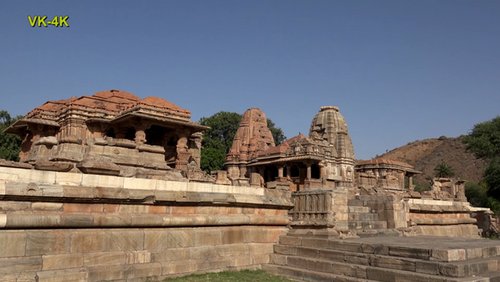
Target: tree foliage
(484, 140)
(218, 139)
(277, 133)
(9, 144)
(492, 178)
(443, 170)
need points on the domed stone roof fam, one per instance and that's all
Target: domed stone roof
(330, 126)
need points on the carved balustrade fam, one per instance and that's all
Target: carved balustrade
(313, 208)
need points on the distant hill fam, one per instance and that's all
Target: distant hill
(424, 155)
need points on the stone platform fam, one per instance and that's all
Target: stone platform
(386, 258)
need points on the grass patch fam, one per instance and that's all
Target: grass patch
(240, 276)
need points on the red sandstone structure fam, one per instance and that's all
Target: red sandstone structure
(324, 159)
(111, 132)
(109, 188)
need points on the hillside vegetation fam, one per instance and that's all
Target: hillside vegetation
(426, 154)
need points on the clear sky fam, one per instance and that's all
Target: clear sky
(398, 70)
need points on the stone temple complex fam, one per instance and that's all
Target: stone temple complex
(324, 159)
(109, 188)
(111, 132)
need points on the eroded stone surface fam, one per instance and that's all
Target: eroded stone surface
(130, 132)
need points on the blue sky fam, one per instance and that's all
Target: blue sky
(398, 70)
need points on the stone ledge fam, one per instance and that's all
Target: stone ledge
(94, 180)
(443, 221)
(95, 220)
(16, 191)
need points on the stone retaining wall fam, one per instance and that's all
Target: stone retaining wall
(66, 226)
(442, 218)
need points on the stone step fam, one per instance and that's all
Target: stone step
(377, 232)
(340, 259)
(363, 216)
(355, 202)
(366, 224)
(350, 270)
(423, 247)
(359, 209)
(307, 275)
(372, 273)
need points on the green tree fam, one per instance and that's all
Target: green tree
(476, 194)
(9, 144)
(492, 178)
(443, 170)
(484, 140)
(277, 133)
(218, 139)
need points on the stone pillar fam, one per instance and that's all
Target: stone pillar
(308, 174)
(280, 171)
(182, 152)
(289, 171)
(410, 183)
(195, 148)
(243, 171)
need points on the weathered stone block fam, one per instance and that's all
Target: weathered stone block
(207, 237)
(20, 264)
(474, 253)
(265, 235)
(315, 265)
(392, 263)
(111, 193)
(83, 208)
(32, 220)
(94, 180)
(106, 272)
(14, 206)
(204, 253)
(178, 267)
(47, 242)
(104, 258)
(145, 270)
(171, 185)
(278, 259)
(65, 275)
(12, 244)
(156, 241)
(86, 242)
(448, 254)
(452, 270)
(290, 240)
(79, 192)
(234, 250)
(77, 220)
(44, 206)
(427, 267)
(68, 178)
(490, 252)
(133, 209)
(50, 262)
(409, 252)
(353, 258)
(175, 254)
(139, 183)
(232, 236)
(39, 176)
(137, 257)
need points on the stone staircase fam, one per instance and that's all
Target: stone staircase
(383, 258)
(365, 222)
